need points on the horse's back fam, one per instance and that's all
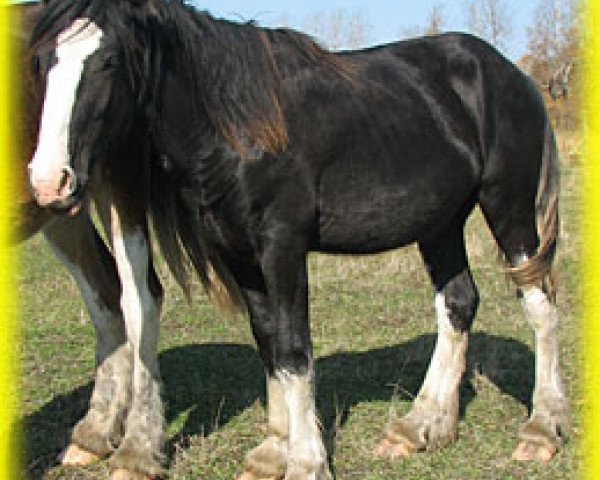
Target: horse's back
(402, 147)
(396, 147)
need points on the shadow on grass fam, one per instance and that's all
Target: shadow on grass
(207, 385)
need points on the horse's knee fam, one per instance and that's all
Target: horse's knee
(461, 301)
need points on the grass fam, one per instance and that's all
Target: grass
(373, 329)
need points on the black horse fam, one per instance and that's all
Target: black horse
(251, 147)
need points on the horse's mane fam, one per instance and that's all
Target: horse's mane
(234, 79)
(230, 66)
(237, 81)
(307, 52)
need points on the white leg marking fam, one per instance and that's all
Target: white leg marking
(277, 410)
(140, 309)
(543, 317)
(269, 459)
(548, 423)
(448, 361)
(433, 417)
(141, 448)
(306, 451)
(74, 46)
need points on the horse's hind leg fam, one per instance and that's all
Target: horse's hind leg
(77, 244)
(548, 424)
(545, 430)
(522, 214)
(433, 418)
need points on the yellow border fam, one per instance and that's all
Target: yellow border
(9, 435)
(591, 273)
(591, 241)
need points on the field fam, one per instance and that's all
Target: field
(373, 329)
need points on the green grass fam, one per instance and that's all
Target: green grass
(373, 328)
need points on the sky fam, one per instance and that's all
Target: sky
(386, 19)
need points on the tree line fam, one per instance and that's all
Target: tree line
(551, 57)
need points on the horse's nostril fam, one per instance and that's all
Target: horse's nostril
(68, 182)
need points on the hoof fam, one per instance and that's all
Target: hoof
(528, 452)
(122, 474)
(248, 475)
(393, 450)
(77, 456)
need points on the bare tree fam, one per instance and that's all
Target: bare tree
(339, 29)
(554, 36)
(552, 52)
(435, 24)
(490, 20)
(435, 20)
(553, 39)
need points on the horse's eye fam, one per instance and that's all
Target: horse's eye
(108, 62)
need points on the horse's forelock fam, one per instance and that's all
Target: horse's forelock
(54, 18)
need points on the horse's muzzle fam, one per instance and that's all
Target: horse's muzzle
(60, 195)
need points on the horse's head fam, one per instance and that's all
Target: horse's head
(87, 112)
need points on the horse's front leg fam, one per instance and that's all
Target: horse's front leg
(287, 354)
(76, 243)
(140, 452)
(433, 419)
(269, 459)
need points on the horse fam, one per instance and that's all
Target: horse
(74, 239)
(250, 147)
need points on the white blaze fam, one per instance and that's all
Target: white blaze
(74, 46)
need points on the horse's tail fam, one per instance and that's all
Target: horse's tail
(178, 234)
(538, 268)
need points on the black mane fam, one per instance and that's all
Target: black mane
(234, 81)
(231, 66)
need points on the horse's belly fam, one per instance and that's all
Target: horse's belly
(372, 226)
(372, 213)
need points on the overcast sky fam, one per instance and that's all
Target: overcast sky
(386, 19)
